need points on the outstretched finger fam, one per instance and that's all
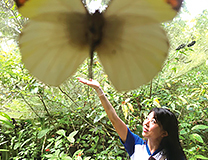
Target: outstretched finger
(82, 80)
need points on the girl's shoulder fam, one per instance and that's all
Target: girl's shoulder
(134, 137)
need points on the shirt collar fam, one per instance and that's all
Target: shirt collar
(148, 150)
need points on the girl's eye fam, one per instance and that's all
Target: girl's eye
(153, 121)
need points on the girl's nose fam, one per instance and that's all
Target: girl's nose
(146, 122)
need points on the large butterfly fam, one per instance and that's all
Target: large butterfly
(127, 37)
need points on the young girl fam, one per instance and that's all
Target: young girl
(160, 129)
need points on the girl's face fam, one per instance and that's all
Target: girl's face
(151, 128)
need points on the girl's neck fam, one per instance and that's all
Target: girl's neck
(153, 145)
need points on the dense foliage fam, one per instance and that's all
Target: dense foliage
(68, 122)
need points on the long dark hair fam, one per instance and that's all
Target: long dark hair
(168, 121)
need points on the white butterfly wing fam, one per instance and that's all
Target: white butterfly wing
(159, 10)
(133, 49)
(32, 8)
(53, 45)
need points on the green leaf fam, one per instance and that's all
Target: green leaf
(61, 132)
(16, 145)
(57, 152)
(196, 137)
(3, 143)
(99, 117)
(43, 133)
(5, 116)
(67, 158)
(57, 143)
(200, 157)
(4, 150)
(79, 158)
(64, 156)
(183, 131)
(7, 123)
(199, 127)
(174, 69)
(71, 136)
(183, 99)
(125, 110)
(73, 133)
(35, 90)
(77, 153)
(25, 142)
(51, 156)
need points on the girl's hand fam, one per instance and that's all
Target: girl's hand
(92, 83)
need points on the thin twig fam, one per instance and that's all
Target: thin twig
(46, 109)
(28, 103)
(134, 117)
(68, 96)
(29, 106)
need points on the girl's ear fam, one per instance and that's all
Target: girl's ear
(165, 134)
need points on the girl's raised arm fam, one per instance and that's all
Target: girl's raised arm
(118, 124)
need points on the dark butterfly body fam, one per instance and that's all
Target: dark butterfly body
(94, 36)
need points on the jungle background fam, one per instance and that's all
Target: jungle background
(38, 121)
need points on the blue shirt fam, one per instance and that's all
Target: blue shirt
(138, 149)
